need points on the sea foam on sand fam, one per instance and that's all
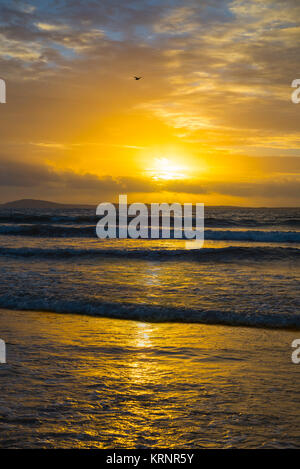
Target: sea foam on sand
(75, 381)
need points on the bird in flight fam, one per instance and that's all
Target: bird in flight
(137, 78)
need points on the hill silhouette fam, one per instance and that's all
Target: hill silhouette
(40, 204)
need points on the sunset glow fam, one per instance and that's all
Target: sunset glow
(165, 168)
(209, 110)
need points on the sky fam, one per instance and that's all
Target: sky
(210, 121)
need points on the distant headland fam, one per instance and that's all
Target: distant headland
(40, 204)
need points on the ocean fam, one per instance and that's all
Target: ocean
(144, 344)
(247, 273)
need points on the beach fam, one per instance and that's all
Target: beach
(136, 343)
(75, 381)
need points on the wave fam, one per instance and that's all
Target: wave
(255, 236)
(92, 219)
(151, 313)
(55, 231)
(291, 222)
(49, 231)
(44, 218)
(228, 254)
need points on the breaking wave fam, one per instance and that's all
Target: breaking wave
(231, 253)
(16, 218)
(58, 231)
(151, 313)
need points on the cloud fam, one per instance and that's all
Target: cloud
(25, 52)
(48, 145)
(178, 21)
(216, 80)
(19, 174)
(282, 189)
(47, 182)
(51, 27)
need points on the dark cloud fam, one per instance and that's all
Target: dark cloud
(47, 182)
(19, 174)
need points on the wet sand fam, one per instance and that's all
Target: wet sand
(75, 381)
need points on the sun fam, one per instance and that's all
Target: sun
(165, 168)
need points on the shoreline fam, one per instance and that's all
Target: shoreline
(160, 320)
(75, 381)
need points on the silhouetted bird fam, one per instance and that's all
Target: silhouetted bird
(137, 78)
